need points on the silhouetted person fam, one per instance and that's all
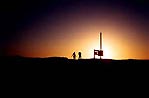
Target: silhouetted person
(79, 55)
(74, 55)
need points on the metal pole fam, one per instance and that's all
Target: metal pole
(100, 40)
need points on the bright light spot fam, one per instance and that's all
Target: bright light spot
(107, 53)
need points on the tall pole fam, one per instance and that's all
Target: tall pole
(100, 42)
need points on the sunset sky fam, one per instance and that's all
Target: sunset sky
(61, 27)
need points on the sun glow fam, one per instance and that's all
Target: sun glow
(107, 53)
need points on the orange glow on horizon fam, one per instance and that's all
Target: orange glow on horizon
(114, 47)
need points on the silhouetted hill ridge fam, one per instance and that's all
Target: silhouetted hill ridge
(65, 59)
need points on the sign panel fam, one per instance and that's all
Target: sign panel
(100, 53)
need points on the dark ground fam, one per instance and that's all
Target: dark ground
(58, 74)
(61, 65)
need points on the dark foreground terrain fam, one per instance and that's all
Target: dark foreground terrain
(61, 65)
(59, 72)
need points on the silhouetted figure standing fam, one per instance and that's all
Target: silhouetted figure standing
(79, 55)
(74, 55)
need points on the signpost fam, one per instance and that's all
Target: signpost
(99, 52)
